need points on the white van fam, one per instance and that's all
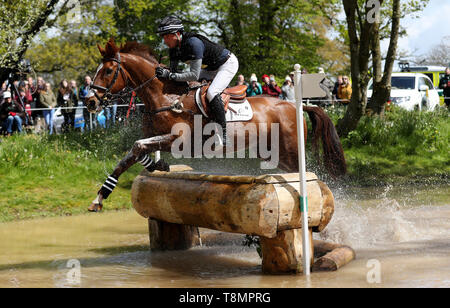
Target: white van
(411, 91)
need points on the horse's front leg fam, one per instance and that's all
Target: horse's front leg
(140, 153)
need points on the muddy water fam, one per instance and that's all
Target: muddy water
(401, 237)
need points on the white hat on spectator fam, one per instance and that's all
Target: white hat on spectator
(7, 95)
(321, 70)
(288, 78)
(253, 78)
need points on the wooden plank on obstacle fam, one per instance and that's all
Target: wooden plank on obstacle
(244, 179)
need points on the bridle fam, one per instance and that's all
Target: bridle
(109, 97)
(123, 94)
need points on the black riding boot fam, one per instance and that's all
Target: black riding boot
(218, 115)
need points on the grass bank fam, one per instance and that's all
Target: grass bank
(57, 175)
(400, 147)
(43, 175)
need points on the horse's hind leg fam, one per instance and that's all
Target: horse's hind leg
(138, 154)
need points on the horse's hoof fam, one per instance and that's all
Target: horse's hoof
(95, 207)
(160, 165)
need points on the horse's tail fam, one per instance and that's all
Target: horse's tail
(323, 128)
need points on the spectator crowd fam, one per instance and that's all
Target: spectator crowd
(28, 103)
(340, 91)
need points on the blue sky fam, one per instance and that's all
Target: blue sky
(428, 30)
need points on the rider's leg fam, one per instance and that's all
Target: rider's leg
(224, 75)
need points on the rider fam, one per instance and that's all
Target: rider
(219, 63)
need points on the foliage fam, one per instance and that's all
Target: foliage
(267, 36)
(71, 56)
(20, 22)
(402, 143)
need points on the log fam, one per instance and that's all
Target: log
(283, 254)
(168, 236)
(176, 203)
(254, 205)
(332, 256)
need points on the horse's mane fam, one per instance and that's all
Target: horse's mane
(141, 50)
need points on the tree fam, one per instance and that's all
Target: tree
(382, 79)
(365, 33)
(438, 55)
(21, 21)
(270, 36)
(71, 56)
(359, 33)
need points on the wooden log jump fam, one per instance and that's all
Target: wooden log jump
(180, 201)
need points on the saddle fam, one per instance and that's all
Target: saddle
(235, 94)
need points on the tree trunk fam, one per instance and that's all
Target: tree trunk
(382, 86)
(360, 54)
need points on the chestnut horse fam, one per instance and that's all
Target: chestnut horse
(132, 67)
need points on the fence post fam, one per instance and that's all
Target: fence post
(302, 170)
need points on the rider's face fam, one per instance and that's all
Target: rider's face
(170, 40)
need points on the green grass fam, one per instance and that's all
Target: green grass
(43, 175)
(59, 175)
(410, 147)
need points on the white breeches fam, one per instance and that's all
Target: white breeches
(221, 78)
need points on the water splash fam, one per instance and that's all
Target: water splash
(388, 215)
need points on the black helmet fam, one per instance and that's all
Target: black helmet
(170, 24)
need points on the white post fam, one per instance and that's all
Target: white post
(302, 170)
(90, 121)
(157, 156)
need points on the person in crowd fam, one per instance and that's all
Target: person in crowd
(79, 116)
(65, 100)
(291, 75)
(270, 86)
(48, 100)
(444, 84)
(40, 86)
(337, 84)
(11, 114)
(82, 95)
(24, 104)
(255, 87)
(345, 90)
(3, 89)
(287, 90)
(84, 89)
(241, 81)
(73, 87)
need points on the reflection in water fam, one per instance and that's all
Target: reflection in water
(406, 229)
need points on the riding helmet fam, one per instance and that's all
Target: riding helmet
(170, 24)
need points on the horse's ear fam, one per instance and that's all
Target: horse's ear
(101, 49)
(111, 48)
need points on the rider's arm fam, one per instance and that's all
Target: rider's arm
(192, 75)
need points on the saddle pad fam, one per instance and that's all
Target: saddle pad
(237, 112)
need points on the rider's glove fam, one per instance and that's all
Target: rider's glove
(162, 72)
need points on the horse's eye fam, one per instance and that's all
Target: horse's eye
(109, 71)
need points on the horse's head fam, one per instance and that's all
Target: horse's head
(109, 79)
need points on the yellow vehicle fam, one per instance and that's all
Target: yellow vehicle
(435, 73)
